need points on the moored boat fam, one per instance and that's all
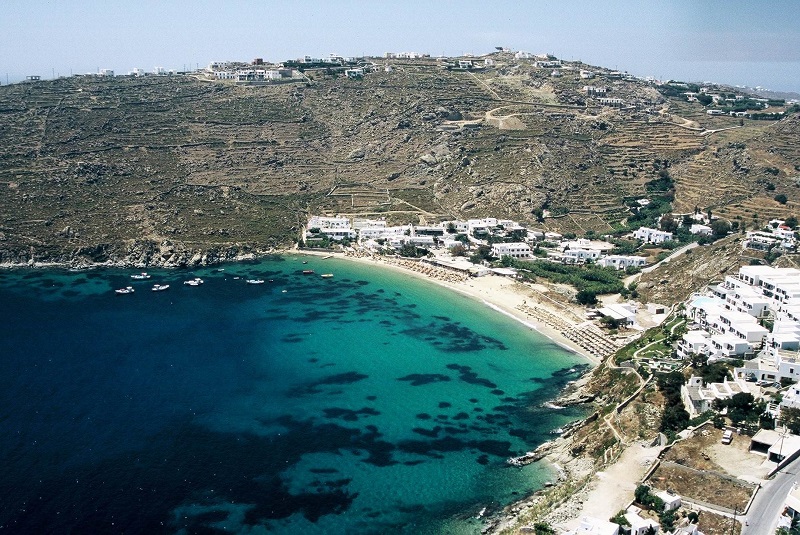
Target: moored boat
(197, 281)
(254, 281)
(160, 287)
(308, 272)
(326, 275)
(123, 291)
(140, 276)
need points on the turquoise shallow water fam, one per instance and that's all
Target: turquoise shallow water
(364, 403)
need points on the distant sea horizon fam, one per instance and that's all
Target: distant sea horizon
(363, 403)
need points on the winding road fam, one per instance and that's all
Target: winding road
(762, 518)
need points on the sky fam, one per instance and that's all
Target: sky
(736, 42)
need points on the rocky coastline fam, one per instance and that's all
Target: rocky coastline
(136, 254)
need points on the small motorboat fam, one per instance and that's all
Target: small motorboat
(326, 275)
(160, 287)
(140, 276)
(308, 272)
(123, 291)
(255, 281)
(197, 281)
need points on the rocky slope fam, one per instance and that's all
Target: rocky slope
(175, 170)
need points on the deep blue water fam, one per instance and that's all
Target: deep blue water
(364, 403)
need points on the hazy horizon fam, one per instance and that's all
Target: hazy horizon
(733, 42)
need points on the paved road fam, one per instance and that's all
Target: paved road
(767, 506)
(676, 253)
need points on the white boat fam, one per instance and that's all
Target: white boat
(254, 281)
(326, 275)
(140, 276)
(123, 291)
(197, 281)
(160, 287)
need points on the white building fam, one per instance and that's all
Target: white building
(702, 230)
(671, 500)
(514, 250)
(336, 228)
(694, 343)
(329, 222)
(698, 398)
(579, 256)
(639, 525)
(106, 72)
(612, 102)
(793, 502)
(383, 232)
(622, 261)
(651, 235)
(594, 91)
(594, 526)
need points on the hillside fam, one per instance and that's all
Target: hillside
(178, 170)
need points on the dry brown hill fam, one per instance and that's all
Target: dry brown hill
(179, 170)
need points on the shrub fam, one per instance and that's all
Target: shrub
(781, 198)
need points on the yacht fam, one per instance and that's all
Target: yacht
(197, 281)
(140, 276)
(126, 290)
(254, 281)
(160, 287)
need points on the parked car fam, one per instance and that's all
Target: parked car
(727, 437)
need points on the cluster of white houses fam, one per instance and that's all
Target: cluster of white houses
(375, 233)
(776, 234)
(728, 323)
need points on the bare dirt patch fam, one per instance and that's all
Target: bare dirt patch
(705, 451)
(714, 524)
(702, 485)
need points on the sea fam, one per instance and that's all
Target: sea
(366, 402)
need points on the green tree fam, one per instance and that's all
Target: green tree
(790, 417)
(641, 493)
(458, 250)
(668, 223)
(586, 297)
(720, 228)
(781, 198)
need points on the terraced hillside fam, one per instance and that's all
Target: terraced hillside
(177, 170)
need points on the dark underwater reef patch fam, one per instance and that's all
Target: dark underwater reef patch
(93, 498)
(349, 415)
(313, 387)
(468, 376)
(420, 379)
(452, 337)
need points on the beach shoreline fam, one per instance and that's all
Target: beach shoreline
(495, 292)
